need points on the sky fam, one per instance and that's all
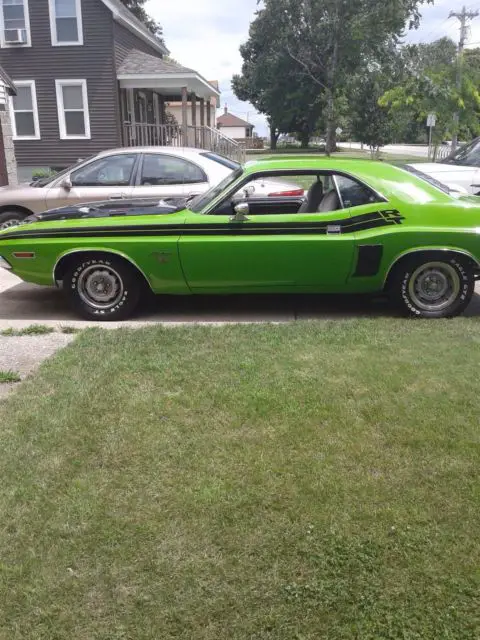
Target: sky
(205, 35)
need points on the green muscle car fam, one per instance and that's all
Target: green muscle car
(360, 227)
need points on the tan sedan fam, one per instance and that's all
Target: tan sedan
(142, 172)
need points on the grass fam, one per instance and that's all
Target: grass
(32, 330)
(351, 154)
(7, 377)
(69, 330)
(302, 481)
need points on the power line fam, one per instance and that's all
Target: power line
(464, 16)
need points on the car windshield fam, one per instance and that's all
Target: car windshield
(225, 162)
(427, 178)
(467, 156)
(43, 182)
(200, 202)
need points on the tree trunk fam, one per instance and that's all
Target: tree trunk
(304, 139)
(273, 137)
(331, 141)
(331, 89)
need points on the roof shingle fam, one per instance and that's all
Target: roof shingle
(229, 120)
(141, 63)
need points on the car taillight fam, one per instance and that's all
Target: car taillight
(294, 193)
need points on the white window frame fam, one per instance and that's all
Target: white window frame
(8, 45)
(53, 25)
(59, 84)
(33, 89)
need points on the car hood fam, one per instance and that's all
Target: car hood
(19, 190)
(109, 209)
(434, 168)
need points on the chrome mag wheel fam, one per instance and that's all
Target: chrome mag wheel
(100, 286)
(434, 286)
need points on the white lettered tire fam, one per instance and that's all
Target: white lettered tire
(102, 288)
(433, 285)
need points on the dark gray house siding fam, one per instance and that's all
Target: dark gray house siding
(94, 62)
(126, 41)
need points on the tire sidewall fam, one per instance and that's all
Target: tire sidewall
(5, 216)
(467, 285)
(123, 307)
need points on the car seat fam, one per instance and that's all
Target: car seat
(314, 198)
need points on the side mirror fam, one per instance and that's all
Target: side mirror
(241, 212)
(66, 184)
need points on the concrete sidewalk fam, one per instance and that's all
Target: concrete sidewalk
(23, 304)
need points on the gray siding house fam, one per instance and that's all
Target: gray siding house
(89, 76)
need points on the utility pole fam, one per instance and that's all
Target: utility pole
(464, 16)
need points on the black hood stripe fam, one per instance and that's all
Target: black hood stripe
(338, 227)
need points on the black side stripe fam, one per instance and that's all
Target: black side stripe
(349, 225)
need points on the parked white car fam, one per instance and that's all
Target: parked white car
(460, 171)
(138, 172)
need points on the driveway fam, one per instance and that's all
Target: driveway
(24, 304)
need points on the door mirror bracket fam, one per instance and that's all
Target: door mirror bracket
(241, 212)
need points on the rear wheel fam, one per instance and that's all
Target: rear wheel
(433, 286)
(10, 219)
(102, 288)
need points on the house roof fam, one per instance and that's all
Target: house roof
(145, 64)
(229, 120)
(139, 67)
(7, 81)
(124, 16)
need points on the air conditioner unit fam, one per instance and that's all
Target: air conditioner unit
(15, 36)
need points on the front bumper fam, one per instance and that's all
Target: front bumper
(4, 264)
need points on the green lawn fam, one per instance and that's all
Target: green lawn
(346, 153)
(301, 481)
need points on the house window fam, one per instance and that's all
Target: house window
(24, 111)
(72, 104)
(66, 22)
(14, 23)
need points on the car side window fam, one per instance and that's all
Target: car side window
(353, 193)
(113, 171)
(160, 169)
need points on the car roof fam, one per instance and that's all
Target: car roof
(383, 177)
(173, 151)
(311, 162)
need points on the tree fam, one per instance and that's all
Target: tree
(137, 8)
(371, 123)
(271, 82)
(428, 85)
(329, 39)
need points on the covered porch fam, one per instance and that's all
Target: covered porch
(165, 104)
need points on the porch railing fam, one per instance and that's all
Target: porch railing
(164, 135)
(213, 140)
(152, 135)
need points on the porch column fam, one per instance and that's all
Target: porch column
(209, 113)
(202, 122)
(131, 107)
(185, 116)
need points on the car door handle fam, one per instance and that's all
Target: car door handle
(117, 196)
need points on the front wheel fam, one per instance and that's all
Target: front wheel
(102, 288)
(434, 286)
(10, 219)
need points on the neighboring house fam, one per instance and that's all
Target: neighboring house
(234, 127)
(8, 165)
(89, 76)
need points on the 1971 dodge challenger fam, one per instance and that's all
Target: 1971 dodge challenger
(364, 227)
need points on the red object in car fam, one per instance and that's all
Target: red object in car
(294, 193)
